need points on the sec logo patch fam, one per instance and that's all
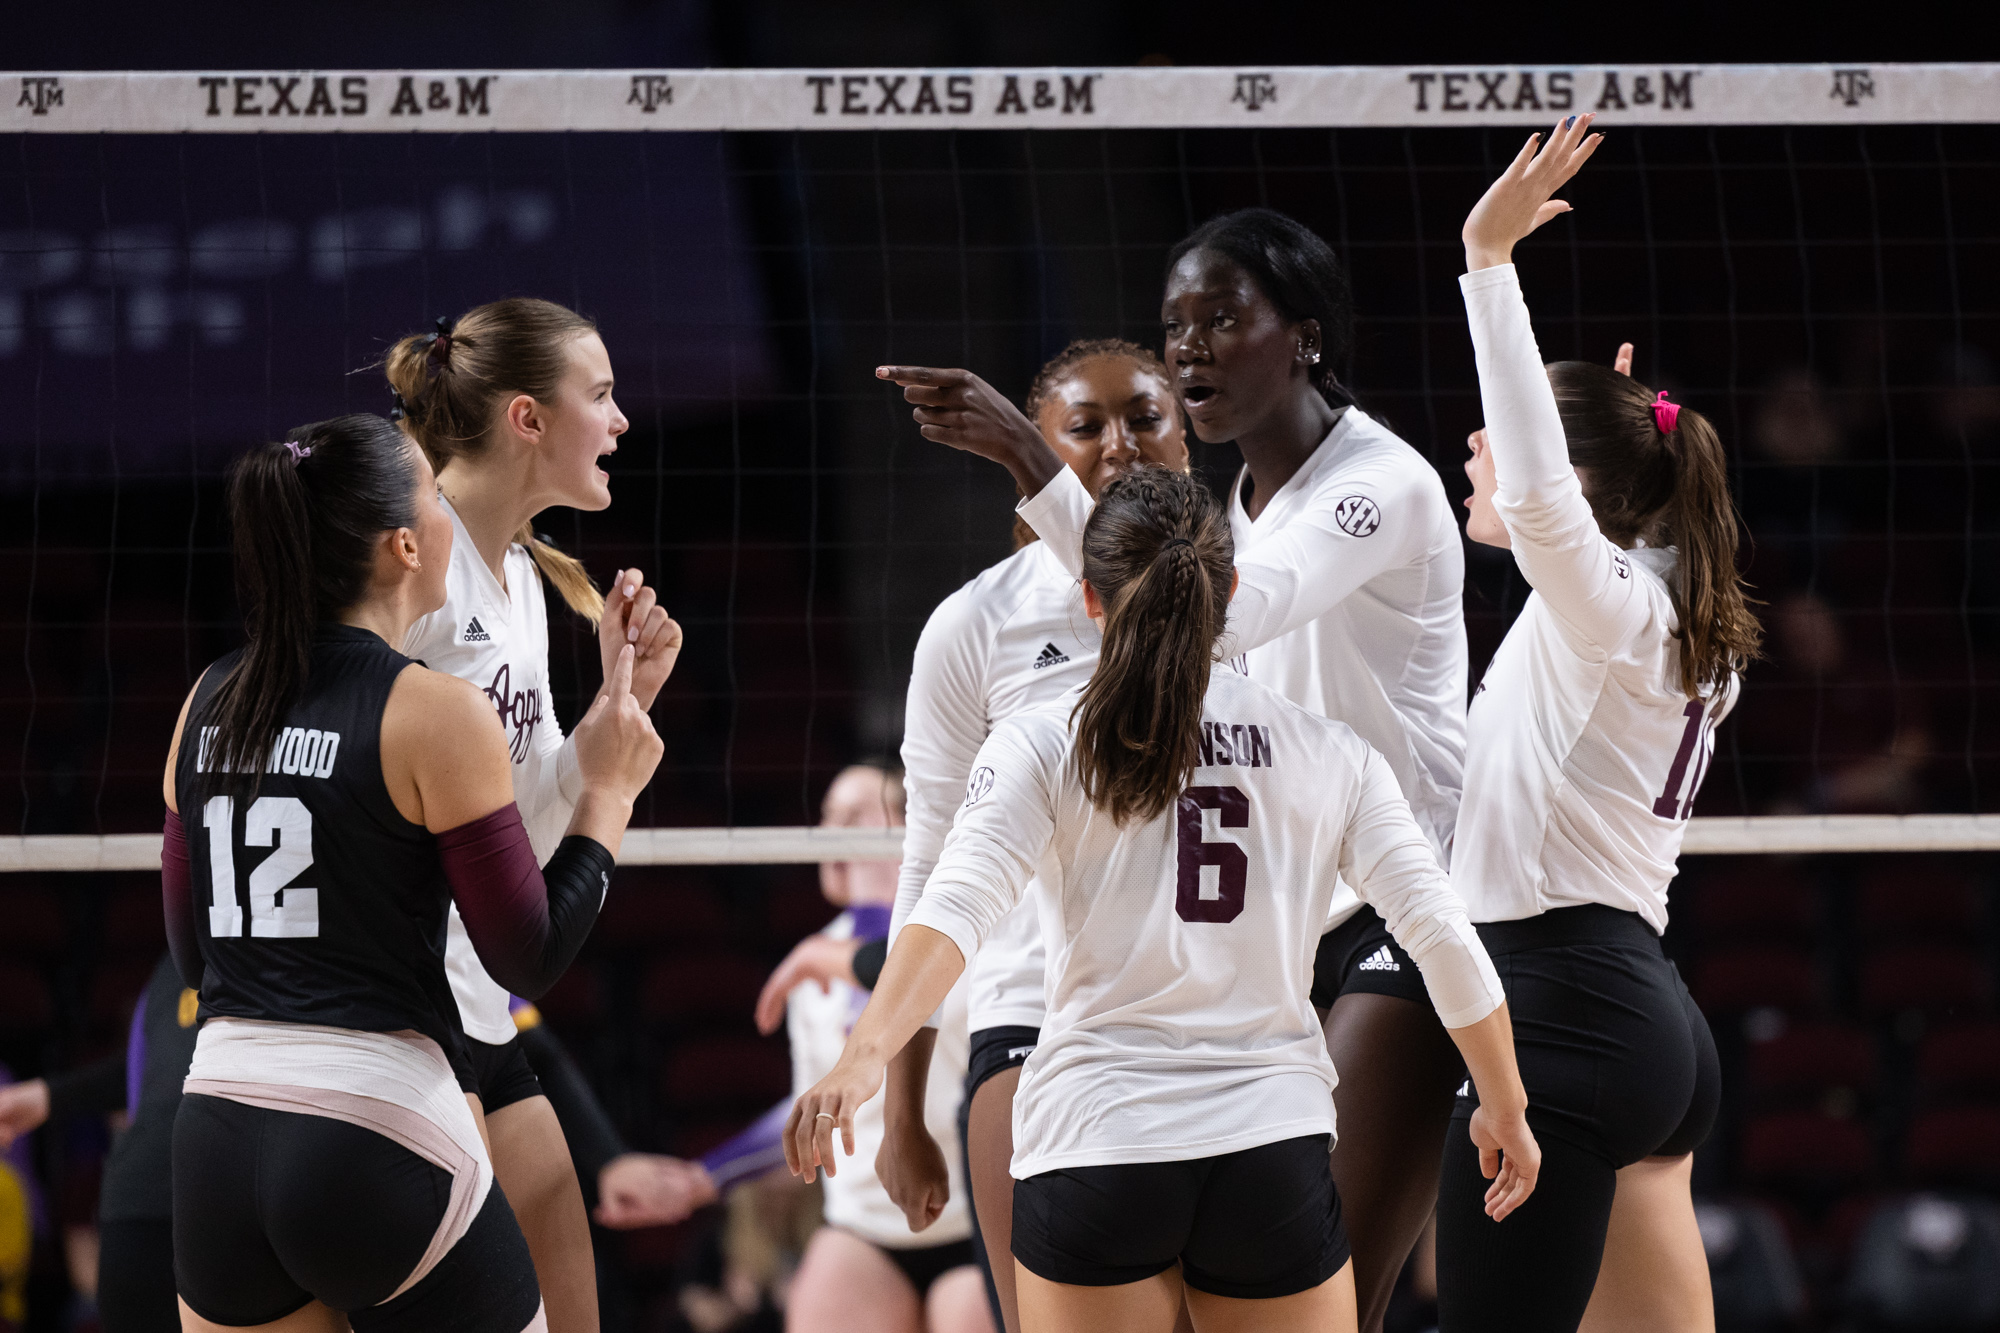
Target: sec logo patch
(1357, 515)
(980, 783)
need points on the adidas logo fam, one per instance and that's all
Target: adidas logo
(476, 632)
(1051, 656)
(1380, 961)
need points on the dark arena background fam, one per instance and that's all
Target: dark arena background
(1817, 275)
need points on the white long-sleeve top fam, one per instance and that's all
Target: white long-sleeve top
(1350, 603)
(1013, 637)
(498, 638)
(1584, 751)
(1180, 961)
(817, 1023)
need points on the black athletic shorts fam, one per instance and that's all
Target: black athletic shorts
(1359, 956)
(925, 1264)
(503, 1074)
(1615, 1057)
(1255, 1224)
(995, 1051)
(275, 1209)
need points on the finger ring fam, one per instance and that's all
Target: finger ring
(823, 1116)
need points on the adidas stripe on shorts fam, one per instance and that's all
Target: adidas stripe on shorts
(1359, 956)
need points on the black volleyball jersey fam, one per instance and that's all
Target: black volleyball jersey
(314, 900)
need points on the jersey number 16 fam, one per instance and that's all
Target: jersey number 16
(1671, 804)
(279, 909)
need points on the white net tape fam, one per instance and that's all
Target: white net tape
(454, 101)
(1773, 834)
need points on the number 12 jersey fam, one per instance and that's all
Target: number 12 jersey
(1180, 949)
(315, 901)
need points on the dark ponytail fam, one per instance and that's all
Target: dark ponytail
(1668, 487)
(305, 519)
(1158, 552)
(1298, 273)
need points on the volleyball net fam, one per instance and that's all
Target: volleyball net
(191, 262)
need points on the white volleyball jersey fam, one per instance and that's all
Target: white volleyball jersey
(498, 638)
(1584, 752)
(1350, 603)
(1013, 637)
(1181, 949)
(817, 1022)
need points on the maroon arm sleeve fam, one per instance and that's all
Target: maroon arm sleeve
(177, 898)
(526, 924)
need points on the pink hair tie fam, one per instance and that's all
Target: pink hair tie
(300, 452)
(1665, 414)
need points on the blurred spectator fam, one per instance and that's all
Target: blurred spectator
(1967, 402)
(744, 1277)
(1832, 734)
(1794, 492)
(22, 1216)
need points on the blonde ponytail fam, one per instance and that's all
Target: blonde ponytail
(566, 572)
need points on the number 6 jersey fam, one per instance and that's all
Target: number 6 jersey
(1180, 949)
(1583, 752)
(315, 901)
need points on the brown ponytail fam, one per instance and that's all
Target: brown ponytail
(304, 520)
(449, 396)
(1158, 552)
(1669, 488)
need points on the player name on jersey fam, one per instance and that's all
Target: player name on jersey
(1243, 744)
(298, 752)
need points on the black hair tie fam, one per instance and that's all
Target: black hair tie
(439, 359)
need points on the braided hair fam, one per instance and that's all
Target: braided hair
(1158, 552)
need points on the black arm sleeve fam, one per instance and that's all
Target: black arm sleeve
(98, 1088)
(525, 922)
(177, 901)
(593, 1140)
(868, 961)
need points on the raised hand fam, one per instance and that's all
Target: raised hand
(1523, 198)
(616, 746)
(632, 615)
(1508, 1156)
(1622, 363)
(958, 408)
(814, 958)
(648, 1190)
(23, 1108)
